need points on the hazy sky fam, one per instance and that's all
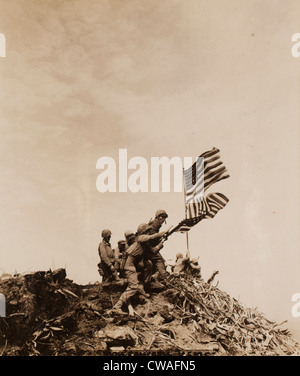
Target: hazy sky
(82, 79)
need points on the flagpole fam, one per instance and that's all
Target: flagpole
(185, 211)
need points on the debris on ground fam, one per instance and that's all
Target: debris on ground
(48, 314)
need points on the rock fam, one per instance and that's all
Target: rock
(59, 275)
(120, 336)
(117, 348)
(157, 320)
(101, 346)
(166, 312)
(100, 334)
(6, 277)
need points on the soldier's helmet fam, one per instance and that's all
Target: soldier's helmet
(105, 233)
(142, 228)
(161, 213)
(128, 233)
(121, 242)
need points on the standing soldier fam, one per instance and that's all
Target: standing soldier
(136, 261)
(157, 259)
(107, 259)
(118, 254)
(129, 238)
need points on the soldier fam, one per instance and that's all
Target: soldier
(194, 268)
(107, 259)
(180, 263)
(186, 265)
(118, 254)
(157, 259)
(129, 238)
(136, 262)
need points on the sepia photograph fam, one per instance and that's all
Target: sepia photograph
(149, 180)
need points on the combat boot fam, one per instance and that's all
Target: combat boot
(155, 286)
(117, 308)
(143, 292)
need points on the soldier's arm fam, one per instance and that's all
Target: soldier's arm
(156, 249)
(146, 238)
(103, 255)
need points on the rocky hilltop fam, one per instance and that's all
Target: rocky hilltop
(48, 314)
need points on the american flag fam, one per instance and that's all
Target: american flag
(207, 208)
(214, 170)
(207, 170)
(187, 224)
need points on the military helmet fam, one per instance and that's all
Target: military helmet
(105, 233)
(142, 228)
(179, 255)
(162, 213)
(121, 242)
(128, 233)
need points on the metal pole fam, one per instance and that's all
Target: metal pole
(185, 210)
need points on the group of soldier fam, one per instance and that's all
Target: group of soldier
(136, 260)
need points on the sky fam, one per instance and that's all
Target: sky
(84, 78)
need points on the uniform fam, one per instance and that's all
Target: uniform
(137, 262)
(107, 261)
(129, 238)
(118, 254)
(180, 263)
(186, 265)
(157, 259)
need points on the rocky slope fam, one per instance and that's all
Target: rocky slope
(48, 314)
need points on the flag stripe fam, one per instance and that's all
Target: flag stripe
(210, 153)
(207, 170)
(215, 179)
(214, 174)
(208, 207)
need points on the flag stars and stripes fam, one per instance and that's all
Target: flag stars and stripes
(206, 171)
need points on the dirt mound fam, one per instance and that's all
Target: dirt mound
(48, 314)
